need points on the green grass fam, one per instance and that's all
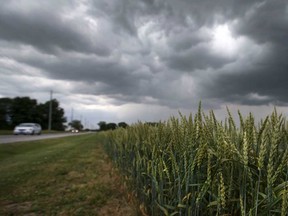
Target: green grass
(66, 176)
(51, 132)
(6, 132)
(10, 132)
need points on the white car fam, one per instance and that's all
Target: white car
(28, 128)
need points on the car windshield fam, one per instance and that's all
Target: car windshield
(26, 125)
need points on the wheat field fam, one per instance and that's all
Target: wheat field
(197, 165)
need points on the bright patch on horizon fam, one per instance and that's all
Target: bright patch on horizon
(258, 97)
(223, 42)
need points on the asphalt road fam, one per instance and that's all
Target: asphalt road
(22, 138)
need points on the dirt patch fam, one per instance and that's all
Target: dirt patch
(121, 202)
(74, 174)
(17, 208)
(116, 207)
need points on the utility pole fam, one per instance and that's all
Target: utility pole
(72, 115)
(50, 112)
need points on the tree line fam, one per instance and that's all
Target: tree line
(14, 111)
(103, 126)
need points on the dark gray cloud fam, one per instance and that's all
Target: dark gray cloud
(267, 23)
(265, 79)
(149, 52)
(48, 30)
(199, 58)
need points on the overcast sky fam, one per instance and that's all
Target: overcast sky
(130, 60)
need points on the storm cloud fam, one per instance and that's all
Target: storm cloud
(120, 55)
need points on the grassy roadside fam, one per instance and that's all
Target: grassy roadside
(10, 132)
(65, 176)
(6, 132)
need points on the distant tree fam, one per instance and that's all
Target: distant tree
(5, 107)
(76, 124)
(23, 109)
(122, 124)
(154, 124)
(58, 118)
(102, 125)
(111, 126)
